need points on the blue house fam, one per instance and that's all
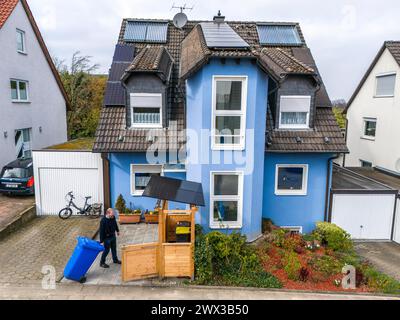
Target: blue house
(237, 106)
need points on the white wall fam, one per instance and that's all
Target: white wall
(364, 216)
(47, 108)
(396, 236)
(385, 150)
(57, 173)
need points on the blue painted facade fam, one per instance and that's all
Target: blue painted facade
(259, 168)
(293, 210)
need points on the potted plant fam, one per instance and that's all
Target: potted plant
(127, 216)
(151, 216)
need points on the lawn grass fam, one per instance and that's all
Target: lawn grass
(78, 144)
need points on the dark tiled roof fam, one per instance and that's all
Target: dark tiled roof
(6, 8)
(313, 140)
(152, 59)
(394, 49)
(188, 45)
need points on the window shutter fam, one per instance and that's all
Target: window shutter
(295, 104)
(385, 85)
(146, 100)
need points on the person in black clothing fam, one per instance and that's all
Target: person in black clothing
(108, 231)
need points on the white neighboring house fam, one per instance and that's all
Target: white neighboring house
(33, 102)
(373, 114)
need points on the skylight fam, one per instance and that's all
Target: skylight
(146, 31)
(278, 35)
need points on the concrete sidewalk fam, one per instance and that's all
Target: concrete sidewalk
(79, 292)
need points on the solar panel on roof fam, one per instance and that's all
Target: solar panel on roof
(175, 190)
(221, 35)
(117, 70)
(146, 31)
(115, 94)
(278, 34)
(124, 53)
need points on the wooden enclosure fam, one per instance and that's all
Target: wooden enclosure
(165, 259)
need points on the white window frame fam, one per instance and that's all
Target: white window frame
(294, 126)
(239, 198)
(143, 168)
(18, 91)
(242, 113)
(298, 229)
(364, 127)
(22, 32)
(381, 75)
(302, 192)
(145, 125)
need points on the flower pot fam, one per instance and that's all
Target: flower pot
(151, 218)
(129, 218)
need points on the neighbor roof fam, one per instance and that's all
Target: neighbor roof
(6, 9)
(394, 48)
(189, 51)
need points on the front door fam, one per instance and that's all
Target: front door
(23, 143)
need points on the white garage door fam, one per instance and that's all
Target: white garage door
(83, 182)
(364, 216)
(57, 173)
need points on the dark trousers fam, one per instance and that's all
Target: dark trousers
(110, 243)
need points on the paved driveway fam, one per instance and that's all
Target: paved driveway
(45, 241)
(385, 256)
(11, 207)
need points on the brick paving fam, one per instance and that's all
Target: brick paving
(11, 207)
(45, 241)
(130, 235)
(385, 256)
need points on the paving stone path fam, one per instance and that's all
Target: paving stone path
(11, 207)
(45, 241)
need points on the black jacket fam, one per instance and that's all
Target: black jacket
(108, 228)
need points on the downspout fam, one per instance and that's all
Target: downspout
(328, 184)
(106, 181)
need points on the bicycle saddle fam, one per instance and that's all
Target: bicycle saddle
(88, 198)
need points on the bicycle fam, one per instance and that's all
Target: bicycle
(92, 211)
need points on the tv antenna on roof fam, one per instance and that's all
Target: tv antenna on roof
(181, 19)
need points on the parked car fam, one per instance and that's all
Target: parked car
(17, 178)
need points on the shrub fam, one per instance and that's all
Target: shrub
(278, 237)
(229, 260)
(267, 226)
(292, 266)
(380, 282)
(304, 274)
(120, 205)
(333, 237)
(327, 265)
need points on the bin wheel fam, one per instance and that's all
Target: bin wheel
(83, 280)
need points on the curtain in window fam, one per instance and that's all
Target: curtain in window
(290, 118)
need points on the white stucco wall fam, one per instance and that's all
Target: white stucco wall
(384, 151)
(47, 107)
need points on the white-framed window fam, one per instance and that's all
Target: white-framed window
(293, 230)
(146, 110)
(19, 90)
(369, 128)
(291, 179)
(365, 164)
(23, 145)
(21, 47)
(229, 103)
(226, 200)
(385, 85)
(141, 175)
(295, 112)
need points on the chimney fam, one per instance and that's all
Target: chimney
(219, 18)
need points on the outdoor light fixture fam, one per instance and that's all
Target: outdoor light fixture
(5, 134)
(121, 138)
(40, 129)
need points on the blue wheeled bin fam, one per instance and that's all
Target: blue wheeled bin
(82, 259)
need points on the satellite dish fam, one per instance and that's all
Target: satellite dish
(180, 20)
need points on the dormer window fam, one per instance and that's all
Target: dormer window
(295, 112)
(146, 110)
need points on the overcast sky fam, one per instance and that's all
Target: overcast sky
(344, 35)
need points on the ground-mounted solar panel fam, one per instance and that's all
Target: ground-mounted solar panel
(146, 31)
(278, 35)
(114, 95)
(221, 35)
(175, 190)
(124, 53)
(117, 70)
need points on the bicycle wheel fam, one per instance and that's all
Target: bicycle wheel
(65, 213)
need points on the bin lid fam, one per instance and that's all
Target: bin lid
(175, 190)
(90, 244)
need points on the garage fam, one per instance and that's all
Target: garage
(362, 206)
(59, 172)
